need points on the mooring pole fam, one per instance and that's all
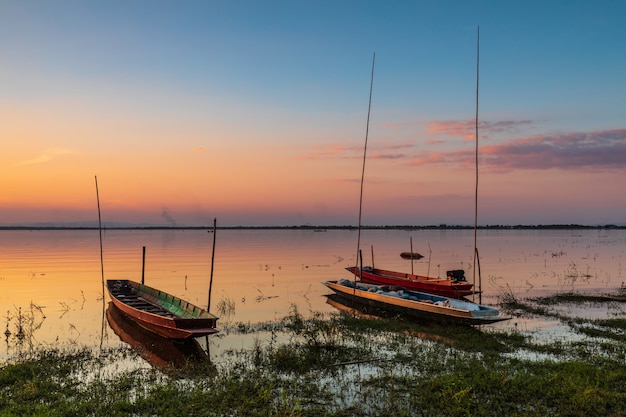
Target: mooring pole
(100, 232)
(143, 265)
(212, 262)
(411, 244)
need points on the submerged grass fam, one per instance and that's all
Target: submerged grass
(338, 365)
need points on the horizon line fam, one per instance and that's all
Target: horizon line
(61, 226)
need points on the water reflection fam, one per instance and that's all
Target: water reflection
(162, 353)
(54, 278)
(425, 330)
(21, 328)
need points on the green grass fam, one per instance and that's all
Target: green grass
(337, 365)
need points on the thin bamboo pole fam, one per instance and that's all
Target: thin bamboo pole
(100, 232)
(143, 264)
(412, 259)
(212, 262)
(103, 324)
(367, 128)
(476, 261)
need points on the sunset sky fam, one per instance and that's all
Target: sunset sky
(254, 112)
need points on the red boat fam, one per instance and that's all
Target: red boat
(163, 353)
(454, 286)
(159, 312)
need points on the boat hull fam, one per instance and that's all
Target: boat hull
(429, 307)
(411, 255)
(163, 353)
(159, 312)
(443, 287)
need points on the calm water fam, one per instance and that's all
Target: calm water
(53, 279)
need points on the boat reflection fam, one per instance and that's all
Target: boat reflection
(352, 308)
(435, 332)
(162, 353)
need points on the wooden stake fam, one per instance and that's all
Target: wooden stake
(100, 231)
(101, 265)
(412, 258)
(212, 262)
(143, 264)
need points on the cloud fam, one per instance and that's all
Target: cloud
(356, 152)
(45, 156)
(597, 149)
(451, 128)
(593, 150)
(602, 149)
(467, 128)
(332, 151)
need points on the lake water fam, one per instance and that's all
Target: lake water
(52, 279)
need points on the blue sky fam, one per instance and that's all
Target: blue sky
(255, 112)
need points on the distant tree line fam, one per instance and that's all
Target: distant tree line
(324, 228)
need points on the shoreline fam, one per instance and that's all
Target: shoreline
(325, 228)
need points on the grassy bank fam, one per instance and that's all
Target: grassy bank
(340, 365)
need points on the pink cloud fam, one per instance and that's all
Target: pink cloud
(603, 149)
(467, 128)
(452, 128)
(598, 149)
(387, 156)
(434, 142)
(355, 152)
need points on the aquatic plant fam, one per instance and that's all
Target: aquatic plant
(340, 365)
(225, 306)
(21, 327)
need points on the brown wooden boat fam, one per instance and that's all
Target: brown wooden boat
(454, 285)
(159, 312)
(411, 255)
(161, 352)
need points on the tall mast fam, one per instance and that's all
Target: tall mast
(367, 128)
(476, 260)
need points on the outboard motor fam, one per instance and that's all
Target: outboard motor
(456, 275)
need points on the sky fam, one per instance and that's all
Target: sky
(257, 113)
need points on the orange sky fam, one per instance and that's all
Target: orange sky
(240, 115)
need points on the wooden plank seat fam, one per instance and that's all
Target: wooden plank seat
(162, 313)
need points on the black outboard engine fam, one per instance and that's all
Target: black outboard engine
(456, 275)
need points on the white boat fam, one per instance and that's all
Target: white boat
(417, 304)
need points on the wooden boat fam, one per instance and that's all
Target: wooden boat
(159, 312)
(416, 304)
(454, 285)
(162, 353)
(411, 255)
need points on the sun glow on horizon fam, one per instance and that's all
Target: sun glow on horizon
(236, 114)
